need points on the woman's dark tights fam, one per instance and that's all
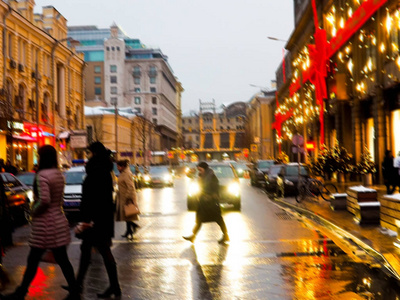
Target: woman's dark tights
(108, 258)
(61, 257)
(220, 222)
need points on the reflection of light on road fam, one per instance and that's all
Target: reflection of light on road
(145, 205)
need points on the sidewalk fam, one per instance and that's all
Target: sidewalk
(378, 238)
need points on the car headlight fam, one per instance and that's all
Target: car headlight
(234, 189)
(167, 178)
(147, 178)
(29, 194)
(240, 171)
(187, 170)
(194, 189)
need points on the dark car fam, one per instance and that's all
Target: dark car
(27, 178)
(229, 186)
(282, 179)
(258, 170)
(19, 195)
(158, 176)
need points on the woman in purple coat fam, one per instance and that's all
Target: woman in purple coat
(50, 229)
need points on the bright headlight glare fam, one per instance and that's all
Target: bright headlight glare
(146, 177)
(194, 189)
(240, 171)
(234, 188)
(167, 178)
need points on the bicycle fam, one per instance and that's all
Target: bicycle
(313, 188)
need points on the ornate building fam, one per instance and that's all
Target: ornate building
(343, 76)
(42, 92)
(213, 134)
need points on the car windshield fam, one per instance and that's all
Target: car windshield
(241, 166)
(74, 177)
(133, 169)
(223, 171)
(27, 178)
(265, 164)
(116, 171)
(294, 170)
(274, 171)
(158, 170)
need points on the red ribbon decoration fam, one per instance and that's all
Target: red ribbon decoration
(280, 119)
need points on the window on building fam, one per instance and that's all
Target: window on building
(114, 90)
(97, 90)
(114, 101)
(137, 100)
(197, 138)
(97, 80)
(113, 79)
(139, 111)
(112, 48)
(108, 48)
(154, 121)
(228, 128)
(137, 90)
(154, 111)
(113, 68)
(117, 48)
(153, 90)
(97, 69)
(190, 121)
(153, 80)
(136, 80)
(154, 100)
(183, 121)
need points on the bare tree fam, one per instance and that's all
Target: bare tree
(144, 134)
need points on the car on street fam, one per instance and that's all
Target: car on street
(190, 168)
(19, 196)
(74, 178)
(242, 169)
(282, 179)
(229, 187)
(27, 178)
(258, 171)
(158, 176)
(135, 177)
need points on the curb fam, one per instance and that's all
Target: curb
(341, 233)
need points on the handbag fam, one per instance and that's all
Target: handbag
(131, 210)
(83, 230)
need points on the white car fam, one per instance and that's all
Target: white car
(74, 178)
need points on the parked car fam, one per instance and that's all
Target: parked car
(229, 186)
(27, 178)
(74, 178)
(158, 176)
(19, 196)
(258, 171)
(282, 179)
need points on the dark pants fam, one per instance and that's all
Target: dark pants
(108, 258)
(61, 257)
(220, 222)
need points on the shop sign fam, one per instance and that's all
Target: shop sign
(15, 125)
(78, 141)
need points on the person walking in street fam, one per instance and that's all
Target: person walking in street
(50, 229)
(389, 173)
(97, 208)
(126, 195)
(208, 209)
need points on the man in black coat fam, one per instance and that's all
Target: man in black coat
(208, 209)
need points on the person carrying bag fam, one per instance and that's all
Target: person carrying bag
(127, 208)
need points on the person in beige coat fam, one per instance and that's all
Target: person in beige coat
(126, 194)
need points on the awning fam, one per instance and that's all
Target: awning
(64, 135)
(24, 137)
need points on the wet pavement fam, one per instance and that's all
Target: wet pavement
(273, 254)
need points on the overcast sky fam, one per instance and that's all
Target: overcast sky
(216, 48)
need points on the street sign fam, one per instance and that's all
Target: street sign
(253, 148)
(170, 154)
(298, 140)
(256, 139)
(245, 151)
(296, 149)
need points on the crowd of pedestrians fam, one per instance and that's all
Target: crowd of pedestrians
(50, 230)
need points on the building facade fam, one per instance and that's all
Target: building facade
(216, 134)
(42, 89)
(355, 69)
(124, 72)
(259, 115)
